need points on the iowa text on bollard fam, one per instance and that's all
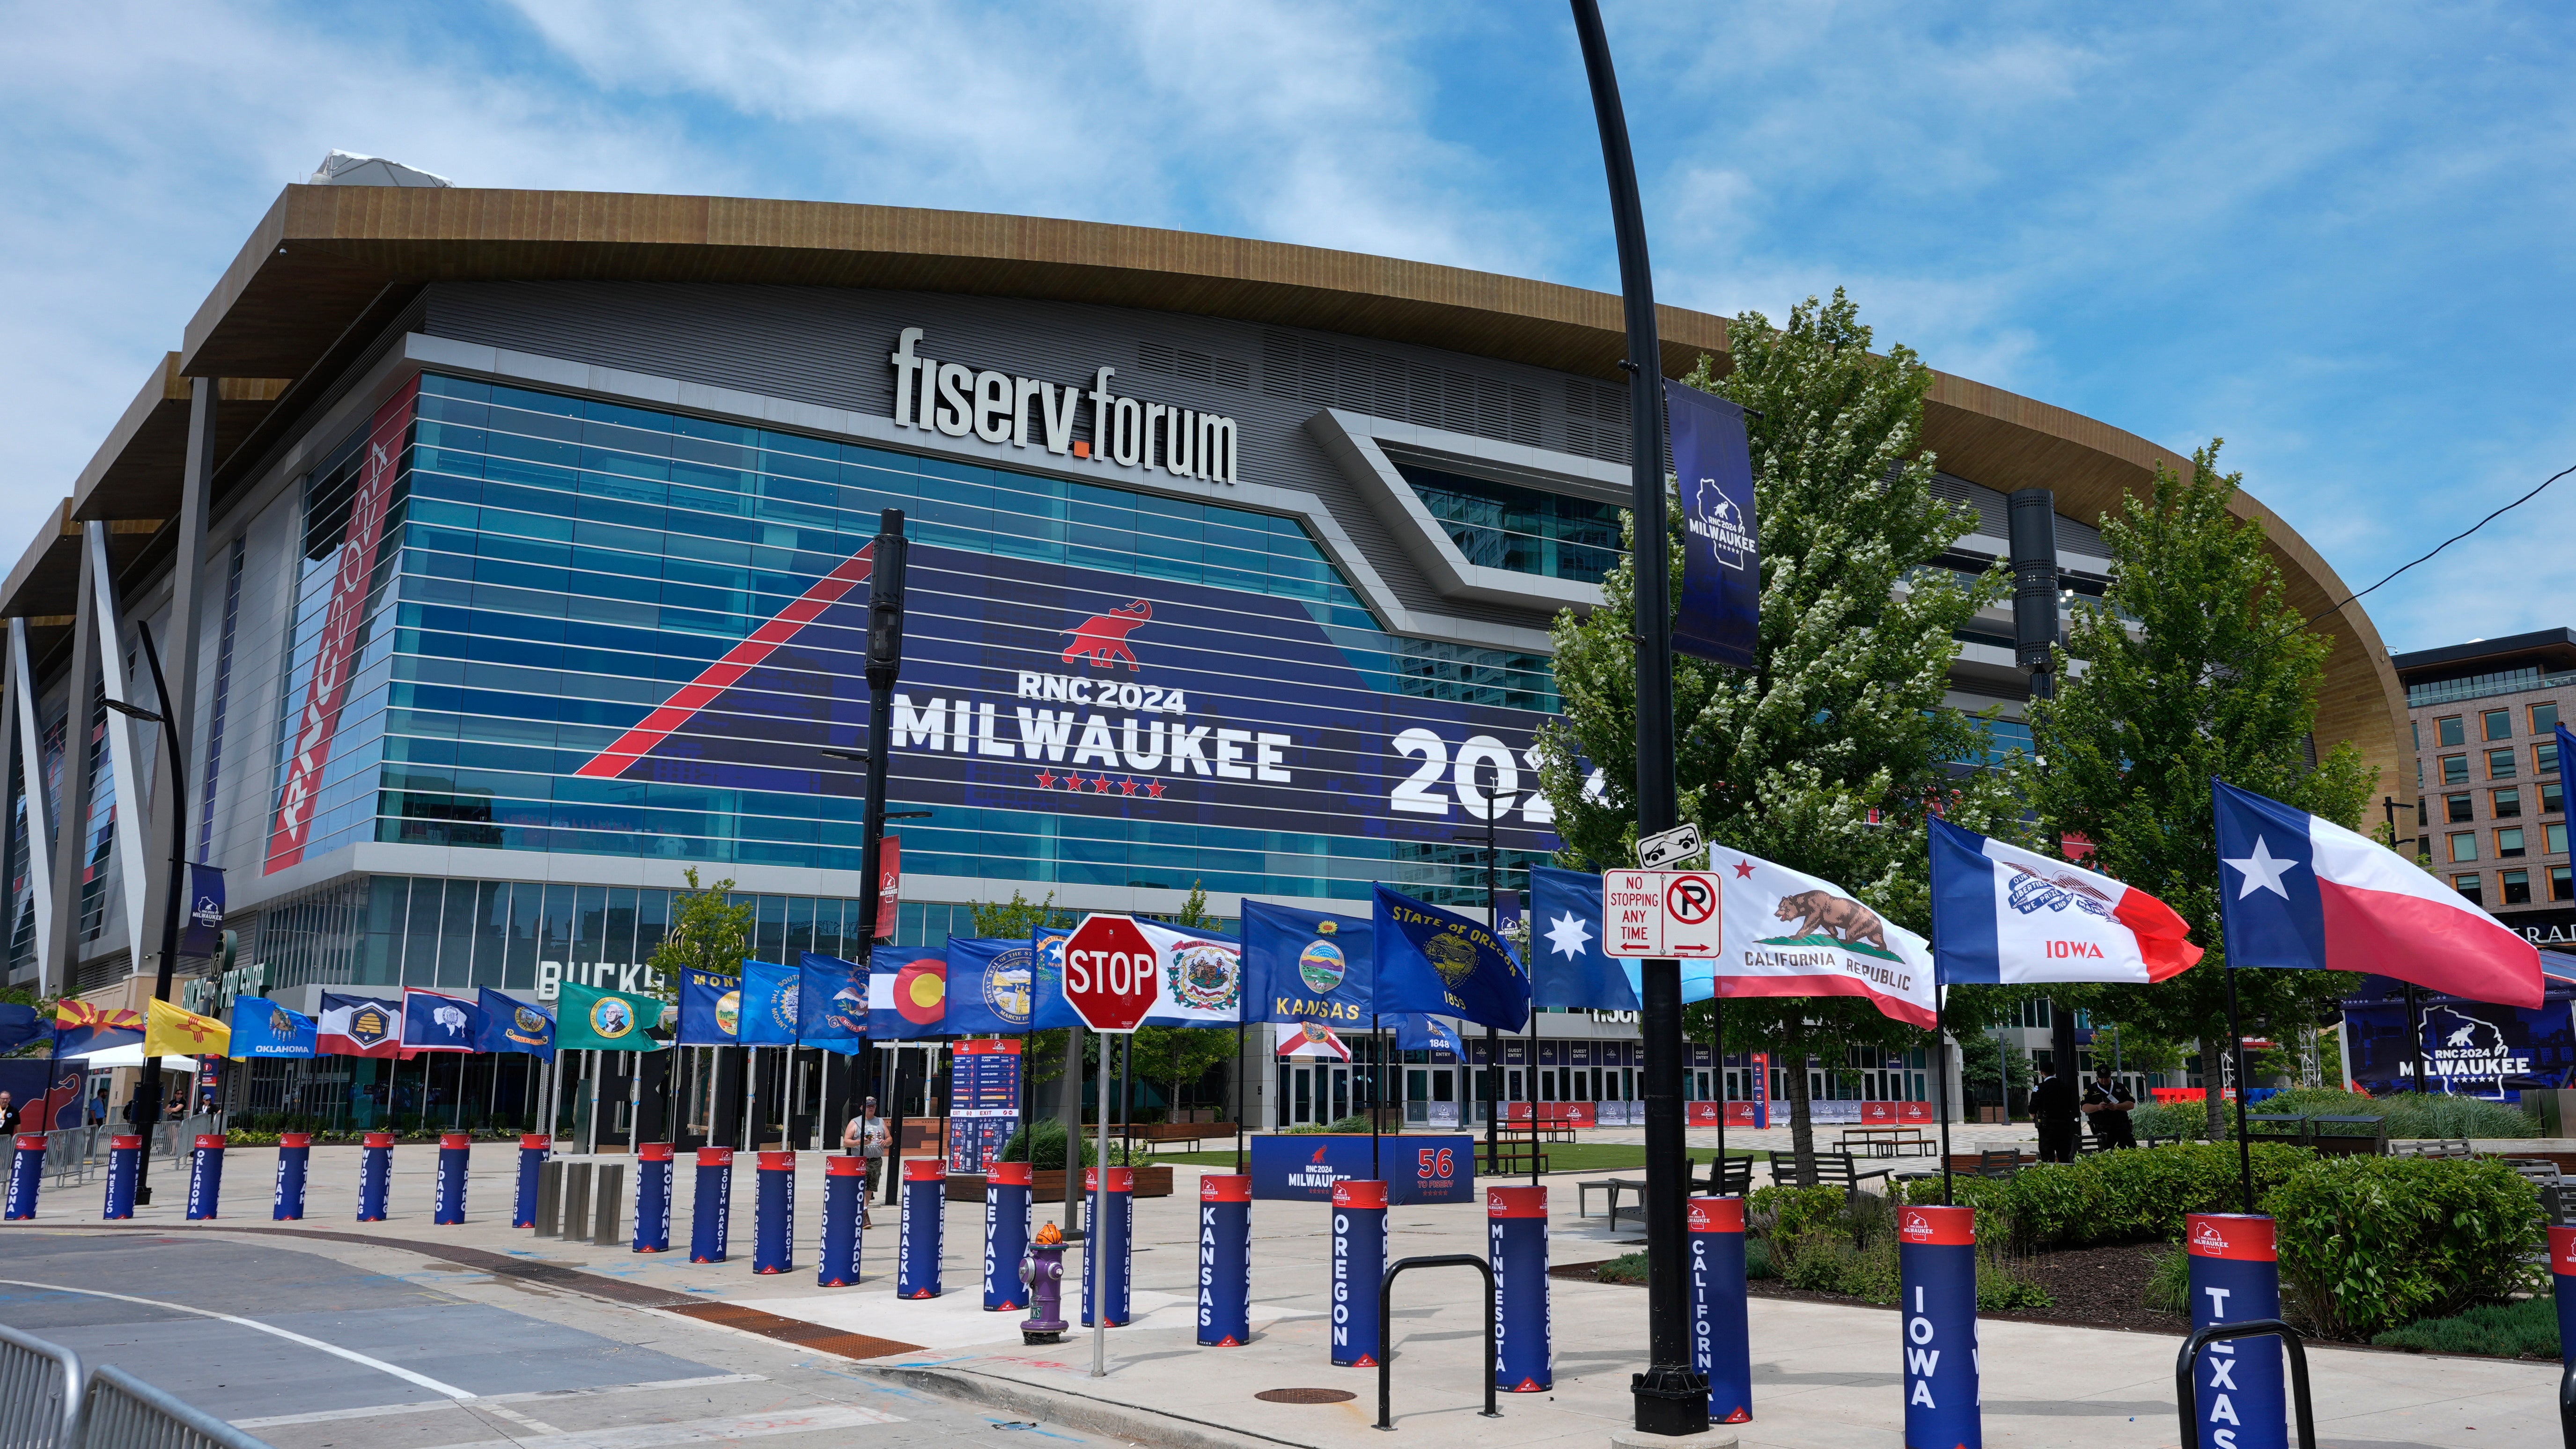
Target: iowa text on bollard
(1359, 1265)
(2240, 1397)
(294, 1161)
(1721, 1331)
(1936, 1274)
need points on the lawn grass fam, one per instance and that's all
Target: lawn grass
(1561, 1156)
(2524, 1329)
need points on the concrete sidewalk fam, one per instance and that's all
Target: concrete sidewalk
(1826, 1375)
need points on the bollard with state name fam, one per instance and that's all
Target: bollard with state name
(652, 1198)
(1936, 1271)
(917, 1234)
(1006, 1234)
(2562, 1281)
(124, 1164)
(773, 1218)
(1225, 1260)
(2236, 1275)
(26, 1174)
(711, 1205)
(1516, 1245)
(845, 1182)
(447, 1205)
(206, 1177)
(534, 1147)
(1109, 1248)
(1721, 1331)
(1359, 1266)
(375, 1175)
(294, 1157)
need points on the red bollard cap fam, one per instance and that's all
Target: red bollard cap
(924, 1169)
(535, 1142)
(2562, 1252)
(1225, 1187)
(1121, 1179)
(1359, 1192)
(778, 1162)
(654, 1152)
(715, 1157)
(377, 1139)
(1938, 1227)
(458, 1141)
(1010, 1174)
(31, 1141)
(1515, 1202)
(2242, 1237)
(294, 1139)
(211, 1141)
(124, 1144)
(1717, 1215)
(837, 1165)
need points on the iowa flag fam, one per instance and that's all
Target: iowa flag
(175, 1031)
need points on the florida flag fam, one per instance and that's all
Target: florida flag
(2305, 893)
(2005, 915)
(1311, 1039)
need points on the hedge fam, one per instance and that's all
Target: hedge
(2368, 1243)
(2117, 1197)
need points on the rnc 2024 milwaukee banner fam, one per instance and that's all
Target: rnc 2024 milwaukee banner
(1037, 686)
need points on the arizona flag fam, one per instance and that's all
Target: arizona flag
(2305, 893)
(2006, 915)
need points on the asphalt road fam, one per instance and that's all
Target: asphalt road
(334, 1346)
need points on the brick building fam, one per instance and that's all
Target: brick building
(2490, 817)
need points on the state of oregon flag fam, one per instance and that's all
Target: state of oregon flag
(175, 1031)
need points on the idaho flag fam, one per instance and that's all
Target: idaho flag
(769, 996)
(262, 1028)
(1301, 965)
(512, 1025)
(991, 984)
(1440, 962)
(831, 1004)
(907, 993)
(710, 1008)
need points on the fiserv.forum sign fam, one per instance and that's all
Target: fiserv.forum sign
(999, 407)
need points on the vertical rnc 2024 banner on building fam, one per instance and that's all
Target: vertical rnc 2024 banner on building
(1720, 614)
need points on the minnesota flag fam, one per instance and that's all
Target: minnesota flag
(175, 1031)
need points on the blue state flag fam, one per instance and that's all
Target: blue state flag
(1302, 965)
(1567, 966)
(1415, 1032)
(710, 1008)
(1047, 1007)
(832, 1004)
(769, 997)
(433, 1021)
(262, 1028)
(991, 986)
(1438, 961)
(512, 1025)
(907, 993)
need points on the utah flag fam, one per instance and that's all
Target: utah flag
(2003, 914)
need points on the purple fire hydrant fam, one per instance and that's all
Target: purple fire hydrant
(1043, 1271)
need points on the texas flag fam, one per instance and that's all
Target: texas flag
(2005, 915)
(2305, 893)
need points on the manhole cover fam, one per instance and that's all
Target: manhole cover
(1305, 1396)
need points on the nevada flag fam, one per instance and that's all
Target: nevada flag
(2305, 893)
(2003, 914)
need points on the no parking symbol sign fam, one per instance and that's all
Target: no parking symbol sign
(1660, 914)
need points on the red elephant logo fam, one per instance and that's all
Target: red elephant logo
(1102, 638)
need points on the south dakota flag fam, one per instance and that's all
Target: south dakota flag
(2005, 915)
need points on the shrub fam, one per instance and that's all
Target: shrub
(2409, 1114)
(1627, 1268)
(2169, 1283)
(2187, 1120)
(1050, 1148)
(1786, 1212)
(2525, 1328)
(2368, 1243)
(2115, 1197)
(1757, 1259)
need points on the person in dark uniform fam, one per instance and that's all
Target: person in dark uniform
(2106, 1104)
(2053, 1107)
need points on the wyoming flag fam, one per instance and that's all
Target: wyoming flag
(175, 1031)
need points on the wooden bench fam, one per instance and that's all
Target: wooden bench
(2435, 1147)
(1833, 1169)
(1888, 1141)
(1157, 1135)
(1730, 1177)
(1510, 1157)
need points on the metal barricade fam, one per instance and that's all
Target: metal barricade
(127, 1413)
(2188, 1401)
(67, 1155)
(40, 1393)
(1386, 1331)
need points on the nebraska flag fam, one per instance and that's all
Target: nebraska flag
(2297, 891)
(2003, 914)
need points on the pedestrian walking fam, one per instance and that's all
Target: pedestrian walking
(2106, 1105)
(2053, 1107)
(866, 1136)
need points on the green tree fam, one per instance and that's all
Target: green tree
(1828, 754)
(1017, 919)
(1182, 1054)
(2196, 666)
(708, 933)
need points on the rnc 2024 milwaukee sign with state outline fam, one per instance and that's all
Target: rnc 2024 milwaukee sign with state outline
(1038, 686)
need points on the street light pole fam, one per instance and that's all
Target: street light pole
(1493, 1036)
(885, 667)
(1671, 1396)
(150, 1116)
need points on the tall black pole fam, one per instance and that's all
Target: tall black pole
(1671, 1396)
(172, 905)
(885, 667)
(1492, 1092)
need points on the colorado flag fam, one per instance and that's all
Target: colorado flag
(2006, 915)
(2297, 891)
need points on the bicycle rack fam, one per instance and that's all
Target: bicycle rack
(1386, 1331)
(2567, 1406)
(2186, 1397)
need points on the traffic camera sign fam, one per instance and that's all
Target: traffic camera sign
(1109, 973)
(1660, 914)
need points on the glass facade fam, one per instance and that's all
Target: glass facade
(1525, 530)
(549, 570)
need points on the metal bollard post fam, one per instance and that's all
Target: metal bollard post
(375, 1175)
(608, 1204)
(576, 1201)
(549, 1221)
(447, 1204)
(1386, 1331)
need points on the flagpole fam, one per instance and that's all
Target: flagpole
(1941, 1075)
(2236, 1049)
(1717, 1009)
(1377, 1090)
(1531, 1083)
(1240, 1087)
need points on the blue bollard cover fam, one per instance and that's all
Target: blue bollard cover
(206, 1177)
(375, 1175)
(1936, 1269)
(26, 1175)
(2238, 1387)
(1721, 1329)
(1006, 1234)
(918, 1234)
(1225, 1260)
(124, 1165)
(455, 1152)
(1109, 1248)
(1359, 1269)
(652, 1198)
(773, 1228)
(294, 1158)
(534, 1147)
(2562, 1279)
(711, 1206)
(1516, 1244)
(845, 1182)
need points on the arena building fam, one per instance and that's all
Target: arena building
(498, 550)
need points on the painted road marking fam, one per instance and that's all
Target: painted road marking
(698, 1431)
(335, 1350)
(533, 1396)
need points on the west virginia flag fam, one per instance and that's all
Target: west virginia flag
(175, 1031)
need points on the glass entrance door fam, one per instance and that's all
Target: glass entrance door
(1314, 1094)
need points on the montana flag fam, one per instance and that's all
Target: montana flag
(1433, 960)
(710, 1009)
(1786, 933)
(511, 1025)
(358, 1026)
(2005, 915)
(174, 1031)
(831, 1003)
(1302, 965)
(1310, 1039)
(2299, 892)
(1566, 964)
(990, 986)
(262, 1028)
(589, 1019)
(907, 993)
(80, 1028)
(434, 1021)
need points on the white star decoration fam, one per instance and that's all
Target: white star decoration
(2262, 871)
(1567, 935)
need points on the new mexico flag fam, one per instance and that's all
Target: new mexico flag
(175, 1031)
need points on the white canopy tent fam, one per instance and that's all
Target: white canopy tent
(128, 1055)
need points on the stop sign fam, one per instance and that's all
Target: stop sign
(1109, 973)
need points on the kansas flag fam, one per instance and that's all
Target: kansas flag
(1302, 965)
(1439, 961)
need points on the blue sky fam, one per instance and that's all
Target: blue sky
(2336, 235)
